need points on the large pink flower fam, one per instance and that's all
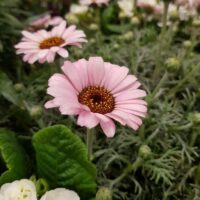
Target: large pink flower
(98, 92)
(43, 45)
(98, 2)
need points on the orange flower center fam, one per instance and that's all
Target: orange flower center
(98, 99)
(51, 42)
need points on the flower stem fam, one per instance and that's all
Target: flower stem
(90, 138)
(131, 167)
(134, 7)
(164, 20)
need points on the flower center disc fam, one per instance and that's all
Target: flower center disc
(51, 42)
(98, 99)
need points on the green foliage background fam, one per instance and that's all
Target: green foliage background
(169, 168)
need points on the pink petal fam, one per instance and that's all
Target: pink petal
(87, 119)
(63, 52)
(118, 74)
(127, 95)
(31, 36)
(50, 104)
(50, 56)
(73, 75)
(81, 66)
(108, 128)
(135, 107)
(95, 70)
(126, 83)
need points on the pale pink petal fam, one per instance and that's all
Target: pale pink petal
(108, 128)
(73, 75)
(31, 36)
(95, 70)
(87, 119)
(50, 56)
(126, 83)
(50, 104)
(82, 66)
(118, 75)
(126, 95)
(63, 52)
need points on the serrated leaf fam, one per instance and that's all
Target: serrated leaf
(13, 156)
(62, 160)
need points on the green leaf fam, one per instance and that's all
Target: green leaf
(13, 156)
(62, 160)
(7, 90)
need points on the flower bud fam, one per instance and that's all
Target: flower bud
(93, 27)
(41, 186)
(19, 87)
(127, 36)
(196, 23)
(187, 44)
(92, 41)
(194, 117)
(104, 194)
(174, 15)
(135, 21)
(122, 15)
(72, 19)
(116, 46)
(173, 64)
(36, 112)
(144, 151)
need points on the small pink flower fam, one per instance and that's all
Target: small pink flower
(46, 21)
(43, 45)
(98, 2)
(98, 92)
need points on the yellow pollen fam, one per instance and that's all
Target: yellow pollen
(51, 42)
(98, 99)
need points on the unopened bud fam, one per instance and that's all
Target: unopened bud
(196, 23)
(19, 87)
(72, 19)
(194, 117)
(173, 64)
(93, 27)
(135, 21)
(187, 44)
(144, 151)
(36, 112)
(41, 186)
(104, 194)
(128, 36)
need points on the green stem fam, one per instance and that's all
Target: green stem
(157, 88)
(164, 20)
(180, 84)
(134, 7)
(90, 138)
(128, 169)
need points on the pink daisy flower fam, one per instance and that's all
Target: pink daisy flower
(98, 92)
(45, 21)
(98, 2)
(43, 45)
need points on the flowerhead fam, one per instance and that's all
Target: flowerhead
(98, 92)
(45, 21)
(60, 194)
(18, 190)
(44, 45)
(97, 2)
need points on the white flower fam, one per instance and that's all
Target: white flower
(60, 194)
(78, 9)
(18, 190)
(126, 7)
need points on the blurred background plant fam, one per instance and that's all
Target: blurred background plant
(161, 160)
